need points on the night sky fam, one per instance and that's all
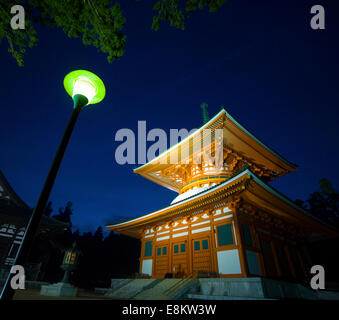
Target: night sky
(260, 59)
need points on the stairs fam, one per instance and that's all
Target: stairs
(167, 289)
(117, 284)
(177, 289)
(129, 288)
(151, 289)
(213, 289)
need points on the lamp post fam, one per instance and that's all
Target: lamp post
(85, 88)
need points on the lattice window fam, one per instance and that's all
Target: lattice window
(225, 235)
(148, 249)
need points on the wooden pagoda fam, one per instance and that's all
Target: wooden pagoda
(226, 221)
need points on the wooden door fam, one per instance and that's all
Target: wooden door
(179, 258)
(201, 255)
(161, 261)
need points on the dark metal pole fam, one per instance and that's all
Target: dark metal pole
(33, 225)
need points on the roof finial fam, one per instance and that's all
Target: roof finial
(205, 116)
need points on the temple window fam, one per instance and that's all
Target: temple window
(246, 232)
(162, 251)
(253, 263)
(282, 257)
(225, 235)
(183, 247)
(196, 245)
(148, 249)
(205, 244)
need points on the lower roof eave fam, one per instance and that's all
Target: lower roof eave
(169, 210)
(295, 213)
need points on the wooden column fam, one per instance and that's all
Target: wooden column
(307, 255)
(241, 251)
(154, 241)
(275, 254)
(189, 245)
(289, 258)
(302, 263)
(213, 243)
(170, 245)
(142, 250)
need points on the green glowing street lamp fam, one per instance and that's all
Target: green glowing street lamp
(85, 88)
(82, 83)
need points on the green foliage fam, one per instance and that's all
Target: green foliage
(324, 203)
(18, 40)
(99, 22)
(176, 11)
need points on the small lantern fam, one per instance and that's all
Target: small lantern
(71, 258)
(70, 261)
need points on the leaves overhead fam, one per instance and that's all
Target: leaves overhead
(176, 11)
(18, 40)
(98, 22)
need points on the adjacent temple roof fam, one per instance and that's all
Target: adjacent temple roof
(7, 192)
(240, 148)
(13, 210)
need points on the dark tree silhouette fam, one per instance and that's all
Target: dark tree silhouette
(102, 259)
(323, 203)
(98, 235)
(65, 214)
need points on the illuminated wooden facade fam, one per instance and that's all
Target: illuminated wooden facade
(226, 221)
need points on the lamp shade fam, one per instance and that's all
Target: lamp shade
(85, 83)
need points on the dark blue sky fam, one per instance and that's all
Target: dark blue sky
(260, 59)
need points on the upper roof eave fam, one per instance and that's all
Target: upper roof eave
(292, 165)
(222, 112)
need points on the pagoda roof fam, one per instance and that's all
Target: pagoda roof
(250, 188)
(235, 136)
